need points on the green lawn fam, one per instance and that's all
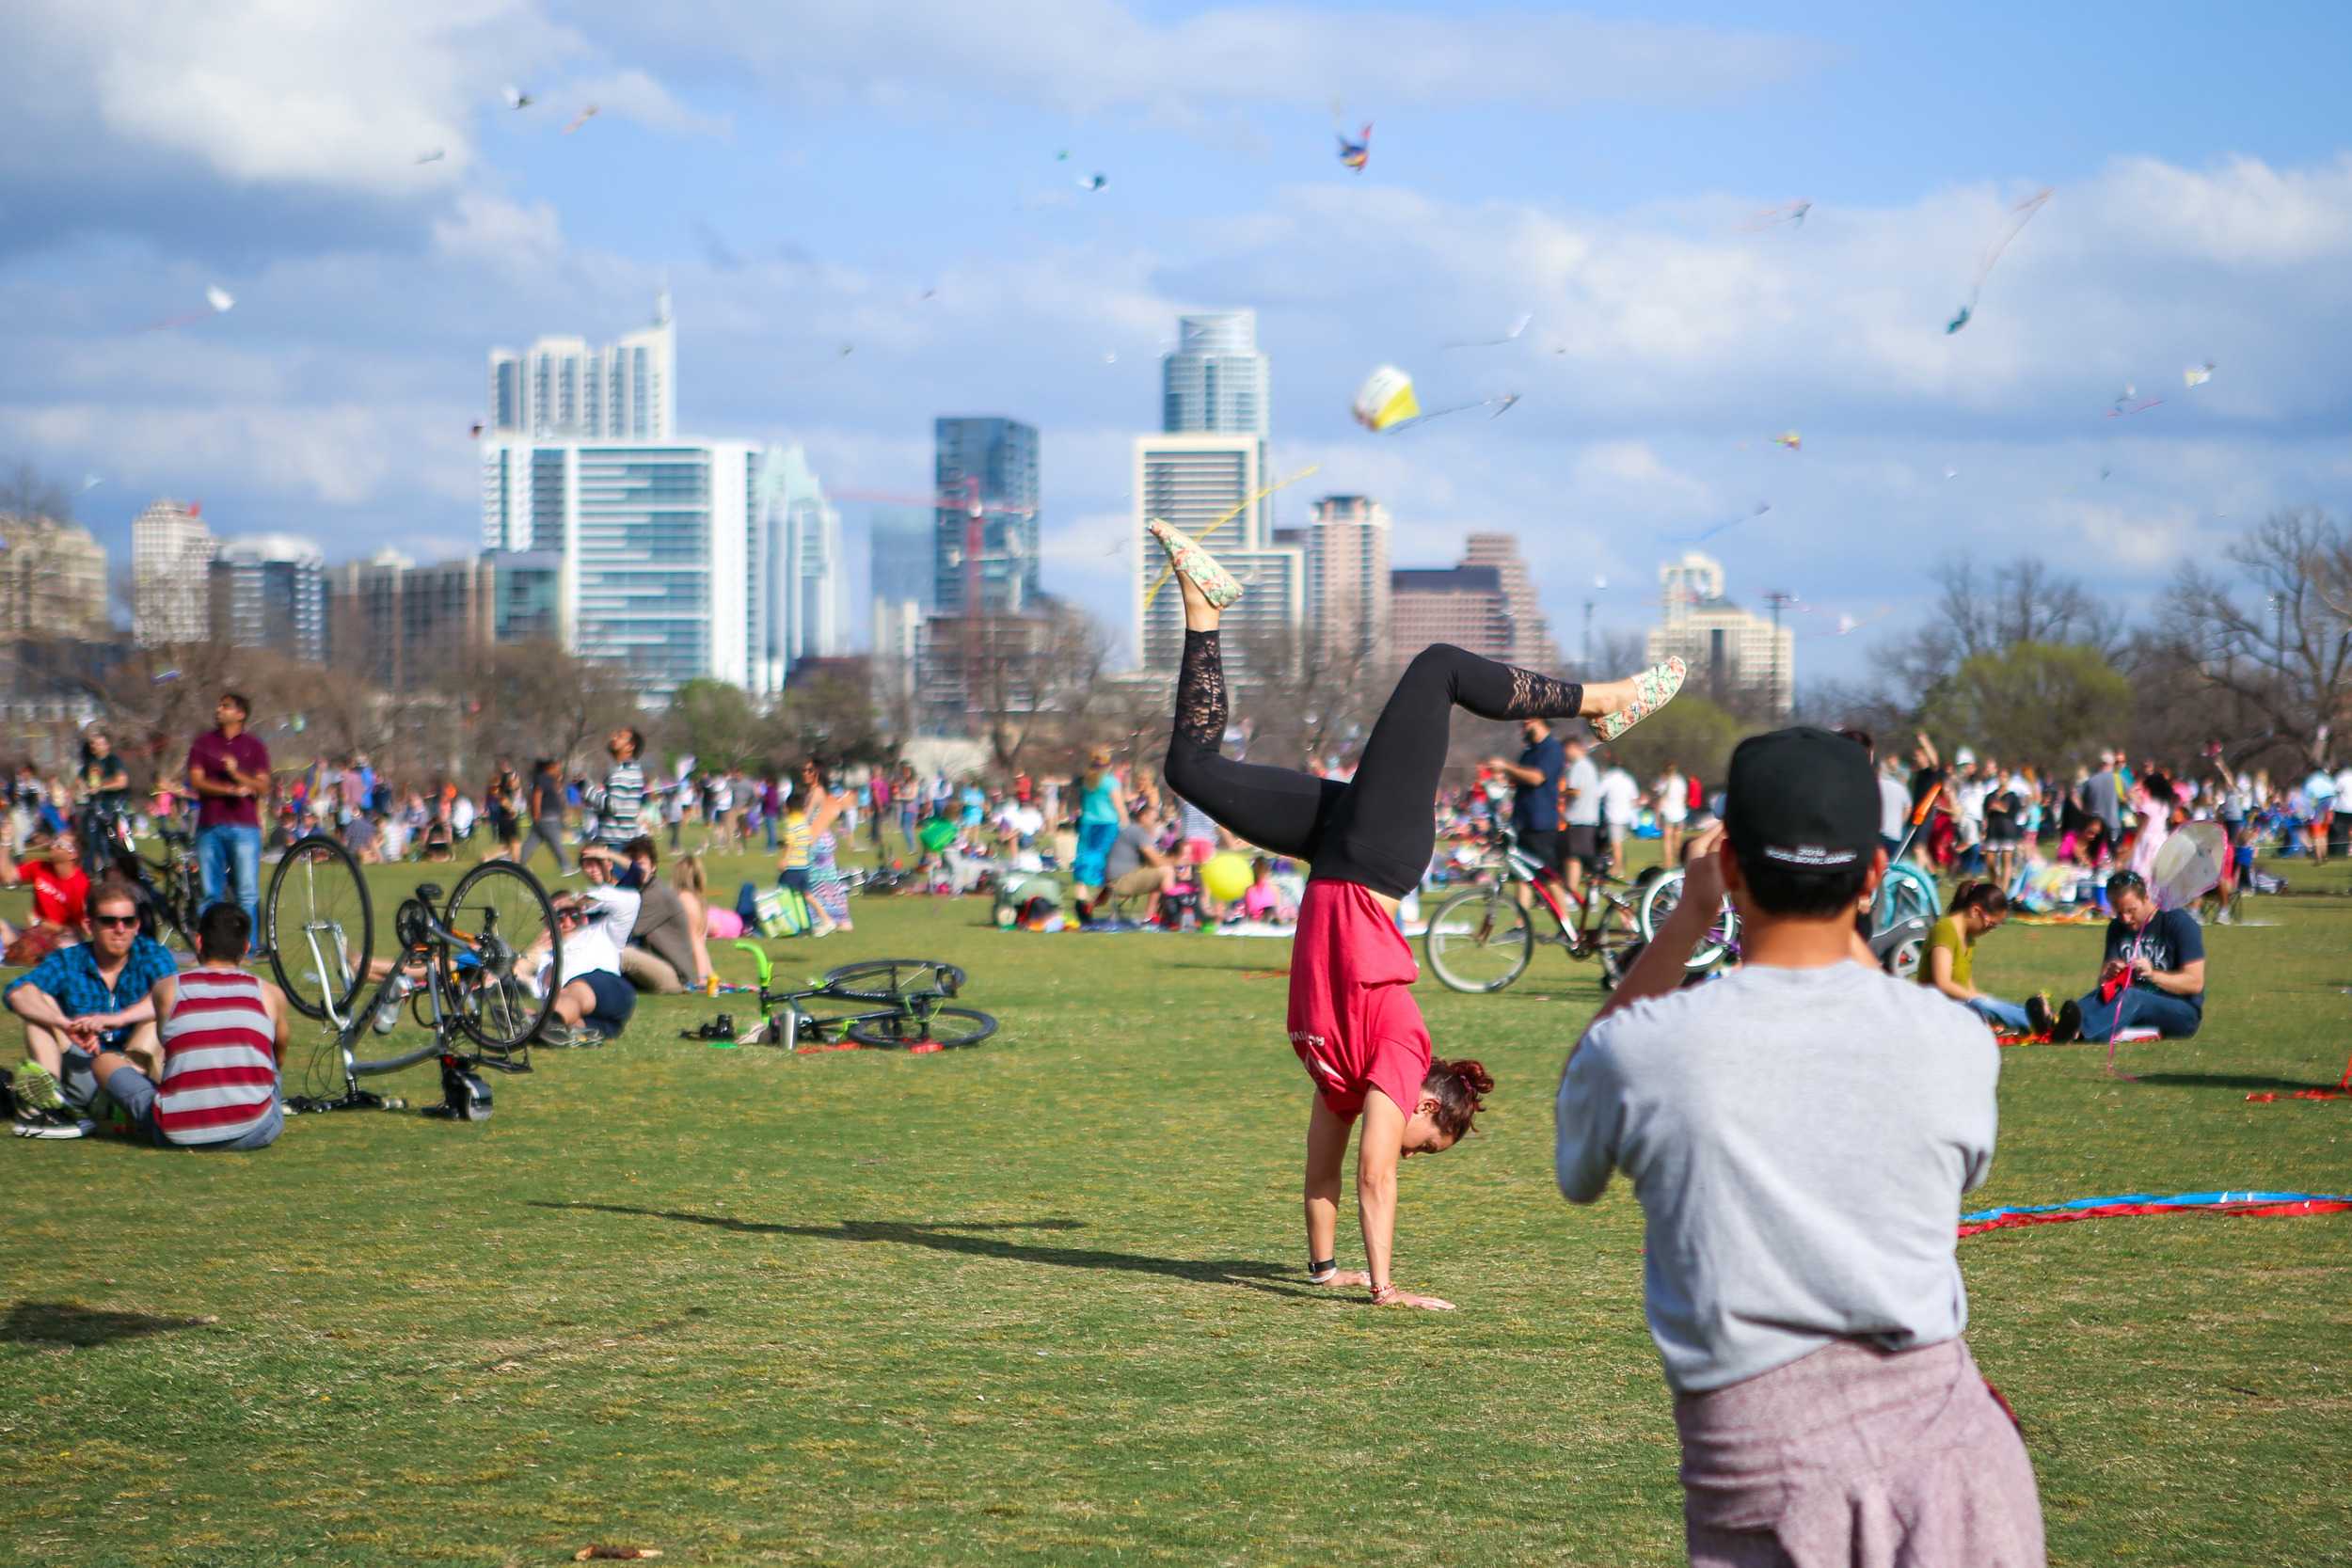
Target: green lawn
(1042, 1300)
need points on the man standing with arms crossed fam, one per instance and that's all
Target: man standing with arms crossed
(1799, 1134)
(228, 772)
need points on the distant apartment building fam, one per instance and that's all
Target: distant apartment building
(52, 581)
(990, 463)
(1465, 605)
(563, 388)
(1204, 484)
(406, 628)
(269, 591)
(1347, 605)
(1532, 647)
(1729, 650)
(171, 558)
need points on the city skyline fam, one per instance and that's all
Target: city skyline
(1681, 317)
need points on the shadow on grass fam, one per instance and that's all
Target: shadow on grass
(2227, 1081)
(973, 1239)
(62, 1322)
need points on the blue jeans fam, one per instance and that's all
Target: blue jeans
(2009, 1015)
(216, 849)
(2175, 1017)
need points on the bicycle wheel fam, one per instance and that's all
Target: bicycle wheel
(503, 914)
(884, 979)
(931, 1029)
(1480, 941)
(319, 928)
(1659, 899)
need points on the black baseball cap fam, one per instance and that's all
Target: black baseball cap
(1803, 797)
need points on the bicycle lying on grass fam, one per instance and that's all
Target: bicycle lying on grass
(463, 971)
(880, 1005)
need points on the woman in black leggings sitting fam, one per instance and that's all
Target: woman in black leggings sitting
(1353, 1021)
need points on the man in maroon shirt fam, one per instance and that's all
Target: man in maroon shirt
(229, 770)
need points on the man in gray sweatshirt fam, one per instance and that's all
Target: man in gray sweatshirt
(1799, 1134)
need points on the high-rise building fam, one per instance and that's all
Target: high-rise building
(1347, 609)
(1729, 650)
(563, 387)
(991, 462)
(52, 581)
(657, 545)
(1467, 606)
(406, 628)
(1203, 484)
(900, 541)
(798, 548)
(171, 558)
(1216, 383)
(1533, 648)
(269, 591)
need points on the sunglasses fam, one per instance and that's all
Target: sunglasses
(115, 922)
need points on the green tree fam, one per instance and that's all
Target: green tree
(716, 723)
(1690, 732)
(2047, 703)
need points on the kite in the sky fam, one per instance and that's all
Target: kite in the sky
(1386, 401)
(1761, 507)
(2130, 402)
(1790, 212)
(1093, 183)
(220, 300)
(1357, 153)
(580, 119)
(435, 156)
(517, 98)
(2019, 216)
(1790, 439)
(1511, 336)
(2197, 375)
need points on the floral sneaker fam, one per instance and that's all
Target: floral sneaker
(1217, 585)
(1653, 688)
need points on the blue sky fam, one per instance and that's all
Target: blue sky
(799, 174)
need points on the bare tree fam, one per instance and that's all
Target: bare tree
(2277, 640)
(1019, 681)
(27, 492)
(1987, 612)
(535, 698)
(1305, 698)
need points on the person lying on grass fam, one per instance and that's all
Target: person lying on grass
(1798, 1133)
(2153, 976)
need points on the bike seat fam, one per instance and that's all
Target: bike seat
(429, 892)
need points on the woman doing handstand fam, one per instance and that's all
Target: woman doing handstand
(1353, 1020)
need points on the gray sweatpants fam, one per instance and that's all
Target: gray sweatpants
(134, 1091)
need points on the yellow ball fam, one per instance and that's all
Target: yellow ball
(1226, 877)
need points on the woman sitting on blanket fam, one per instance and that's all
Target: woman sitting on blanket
(1977, 909)
(1352, 1018)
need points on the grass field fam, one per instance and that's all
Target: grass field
(1042, 1300)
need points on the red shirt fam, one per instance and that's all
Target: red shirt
(216, 754)
(1353, 1019)
(60, 899)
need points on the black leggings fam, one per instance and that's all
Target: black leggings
(1379, 828)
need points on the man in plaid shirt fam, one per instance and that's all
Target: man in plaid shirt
(79, 1001)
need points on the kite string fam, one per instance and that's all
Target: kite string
(1169, 570)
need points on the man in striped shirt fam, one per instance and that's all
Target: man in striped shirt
(623, 795)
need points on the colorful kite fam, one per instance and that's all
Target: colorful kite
(1386, 401)
(1357, 153)
(2197, 375)
(2130, 402)
(580, 119)
(2256, 1205)
(2019, 216)
(1790, 439)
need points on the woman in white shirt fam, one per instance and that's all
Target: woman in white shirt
(1674, 809)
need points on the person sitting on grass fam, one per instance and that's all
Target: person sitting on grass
(593, 1003)
(82, 1000)
(2153, 976)
(1976, 909)
(1134, 869)
(223, 1034)
(1809, 1322)
(659, 955)
(60, 897)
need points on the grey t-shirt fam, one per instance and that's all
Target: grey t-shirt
(2099, 799)
(1799, 1140)
(1126, 851)
(661, 928)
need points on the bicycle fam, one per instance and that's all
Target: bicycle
(884, 1004)
(1661, 899)
(468, 970)
(1483, 939)
(171, 887)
